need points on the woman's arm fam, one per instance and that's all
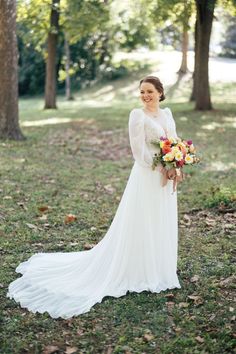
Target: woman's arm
(138, 144)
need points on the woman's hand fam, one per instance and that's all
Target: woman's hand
(174, 174)
(171, 173)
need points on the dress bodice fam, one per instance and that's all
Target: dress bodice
(143, 129)
(155, 128)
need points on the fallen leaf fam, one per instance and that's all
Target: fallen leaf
(196, 299)
(200, 339)
(210, 222)
(231, 309)
(73, 243)
(177, 329)
(187, 220)
(212, 317)
(38, 244)
(148, 337)
(88, 246)
(80, 332)
(43, 208)
(50, 349)
(170, 296)
(227, 281)
(69, 218)
(71, 350)
(183, 304)
(7, 197)
(109, 189)
(43, 217)
(194, 279)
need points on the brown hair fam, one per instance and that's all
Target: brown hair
(155, 81)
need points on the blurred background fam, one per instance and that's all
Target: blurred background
(101, 41)
(72, 67)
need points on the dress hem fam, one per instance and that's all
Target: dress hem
(93, 302)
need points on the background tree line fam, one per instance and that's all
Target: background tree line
(63, 44)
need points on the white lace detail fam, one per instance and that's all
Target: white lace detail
(143, 129)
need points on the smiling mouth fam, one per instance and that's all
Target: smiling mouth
(147, 100)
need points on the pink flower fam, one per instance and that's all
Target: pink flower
(189, 142)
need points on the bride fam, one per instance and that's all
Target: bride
(139, 250)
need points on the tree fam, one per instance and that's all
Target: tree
(185, 18)
(9, 117)
(80, 20)
(179, 13)
(229, 41)
(69, 95)
(193, 94)
(205, 14)
(51, 80)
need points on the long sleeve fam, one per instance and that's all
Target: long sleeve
(138, 144)
(171, 124)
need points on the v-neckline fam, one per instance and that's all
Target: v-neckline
(155, 122)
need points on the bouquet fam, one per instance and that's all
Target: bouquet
(173, 154)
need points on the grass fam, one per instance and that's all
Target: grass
(77, 160)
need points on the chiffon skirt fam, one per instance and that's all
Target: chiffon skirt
(138, 252)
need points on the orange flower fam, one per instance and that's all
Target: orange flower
(183, 150)
(166, 149)
(167, 142)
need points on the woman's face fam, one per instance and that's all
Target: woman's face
(149, 94)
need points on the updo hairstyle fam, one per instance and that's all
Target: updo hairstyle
(155, 81)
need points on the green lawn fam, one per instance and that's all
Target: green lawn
(77, 160)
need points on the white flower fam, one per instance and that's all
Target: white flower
(178, 155)
(188, 159)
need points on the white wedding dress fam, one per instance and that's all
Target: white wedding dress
(138, 252)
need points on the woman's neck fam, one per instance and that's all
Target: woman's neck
(152, 109)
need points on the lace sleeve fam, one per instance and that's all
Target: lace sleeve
(171, 124)
(138, 144)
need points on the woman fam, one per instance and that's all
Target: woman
(138, 252)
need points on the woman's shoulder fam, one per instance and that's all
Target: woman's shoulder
(136, 111)
(167, 110)
(136, 114)
(169, 114)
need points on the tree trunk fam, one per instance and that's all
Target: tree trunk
(193, 94)
(184, 64)
(185, 21)
(205, 13)
(9, 117)
(51, 81)
(69, 95)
